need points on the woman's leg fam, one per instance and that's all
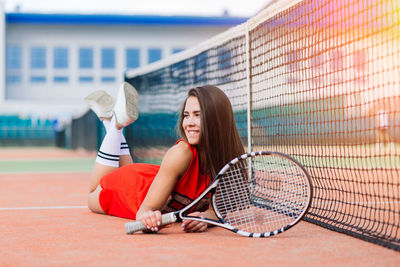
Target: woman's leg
(107, 161)
(108, 155)
(125, 154)
(93, 201)
(113, 153)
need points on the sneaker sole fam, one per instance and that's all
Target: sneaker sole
(131, 98)
(101, 103)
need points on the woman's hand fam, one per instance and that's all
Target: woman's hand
(191, 226)
(150, 219)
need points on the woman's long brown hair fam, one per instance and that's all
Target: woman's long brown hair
(220, 141)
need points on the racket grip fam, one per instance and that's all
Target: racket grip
(132, 227)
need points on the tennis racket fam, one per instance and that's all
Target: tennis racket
(258, 194)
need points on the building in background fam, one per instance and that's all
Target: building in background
(50, 62)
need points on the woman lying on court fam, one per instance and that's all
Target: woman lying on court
(209, 139)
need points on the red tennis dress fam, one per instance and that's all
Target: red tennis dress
(124, 189)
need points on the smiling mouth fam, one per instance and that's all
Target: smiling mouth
(193, 132)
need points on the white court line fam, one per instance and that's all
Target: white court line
(373, 202)
(361, 202)
(45, 208)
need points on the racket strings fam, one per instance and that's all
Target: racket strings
(233, 189)
(262, 194)
(283, 189)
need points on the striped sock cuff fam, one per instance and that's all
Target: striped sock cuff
(107, 159)
(124, 149)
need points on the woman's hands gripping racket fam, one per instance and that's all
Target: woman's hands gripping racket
(258, 194)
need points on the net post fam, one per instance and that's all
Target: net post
(248, 87)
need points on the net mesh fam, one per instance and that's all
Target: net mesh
(316, 79)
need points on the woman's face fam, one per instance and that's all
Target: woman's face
(191, 120)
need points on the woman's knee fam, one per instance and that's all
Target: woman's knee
(94, 202)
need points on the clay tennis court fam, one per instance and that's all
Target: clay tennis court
(45, 222)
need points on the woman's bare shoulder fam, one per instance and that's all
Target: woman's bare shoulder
(178, 157)
(181, 149)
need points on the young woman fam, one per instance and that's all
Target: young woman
(209, 139)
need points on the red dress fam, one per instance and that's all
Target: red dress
(124, 189)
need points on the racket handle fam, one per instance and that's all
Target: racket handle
(132, 227)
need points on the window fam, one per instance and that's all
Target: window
(108, 58)
(13, 64)
(336, 60)
(132, 58)
(13, 78)
(154, 54)
(60, 58)
(13, 57)
(85, 58)
(360, 61)
(38, 57)
(86, 79)
(224, 59)
(178, 72)
(200, 65)
(317, 60)
(38, 79)
(177, 50)
(60, 79)
(292, 61)
(108, 79)
(317, 63)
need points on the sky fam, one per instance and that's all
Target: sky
(243, 8)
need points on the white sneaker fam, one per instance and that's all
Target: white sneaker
(125, 109)
(101, 103)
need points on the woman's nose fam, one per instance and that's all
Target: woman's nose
(191, 120)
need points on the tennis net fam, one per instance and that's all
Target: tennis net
(316, 79)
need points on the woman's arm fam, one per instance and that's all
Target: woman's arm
(173, 166)
(196, 226)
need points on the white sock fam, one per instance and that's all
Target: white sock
(109, 151)
(106, 124)
(124, 145)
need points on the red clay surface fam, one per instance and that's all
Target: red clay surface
(44, 222)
